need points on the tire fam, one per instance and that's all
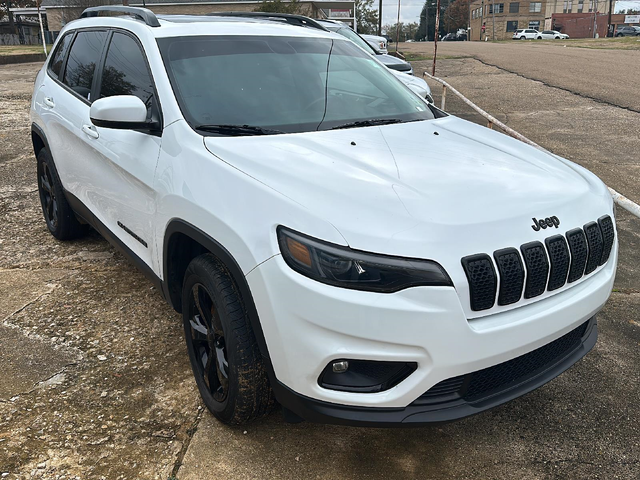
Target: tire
(60, 218)
(539, 38)
(557, 38)
(523, 38)
(234, 386)
(619, 35)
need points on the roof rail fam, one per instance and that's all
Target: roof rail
(297, 20)
(144, 14)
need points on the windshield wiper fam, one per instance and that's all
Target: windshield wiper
(237, 130)
(369, 123)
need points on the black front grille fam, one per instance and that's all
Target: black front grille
(514, 371)
(481, 384)
(562, 261)
(594, 242)
(559, 259)
(482, 281)
(578, 249)
(511, 275)
(608, 234)
(535, 258)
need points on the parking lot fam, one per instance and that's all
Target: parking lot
(96, 382)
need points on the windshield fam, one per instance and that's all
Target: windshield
(354, 37)
(283, 85)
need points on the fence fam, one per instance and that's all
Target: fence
(15, 39)
(618, 198)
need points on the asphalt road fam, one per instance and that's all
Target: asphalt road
(96, 382)
(605, 75)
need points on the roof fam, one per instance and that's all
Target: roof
(161, 26)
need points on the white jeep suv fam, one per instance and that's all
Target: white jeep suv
(333, 242)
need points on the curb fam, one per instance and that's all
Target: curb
(22, 58)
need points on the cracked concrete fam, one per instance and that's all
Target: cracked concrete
(104, 388)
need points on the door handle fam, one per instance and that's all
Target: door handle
(90, 130)
(48, 101)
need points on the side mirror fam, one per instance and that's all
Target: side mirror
(126, 112)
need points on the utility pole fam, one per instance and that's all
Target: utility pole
(44, 42)
(380, 18)
(469, 22)
(398, 27)
(609, 29)
(595, 17)
(481, 18)
(493, 20)
(435, 38)
(426, 20)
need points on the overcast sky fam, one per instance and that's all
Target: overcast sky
(620, 5)
(409, 10)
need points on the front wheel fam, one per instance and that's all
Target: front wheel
(557, 38)
(523, 38)
(224, 354)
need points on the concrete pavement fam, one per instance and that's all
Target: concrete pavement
(97, 383)
(605, 75)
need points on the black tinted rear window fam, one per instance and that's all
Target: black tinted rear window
(83, 58)
(58, 56)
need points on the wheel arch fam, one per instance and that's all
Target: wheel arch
(38, 139)
(182, 243)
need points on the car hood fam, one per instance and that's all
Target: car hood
(416, 84)
(393, 62)
(421, 189)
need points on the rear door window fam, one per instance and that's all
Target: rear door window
(125, 70)
(81, 66)
(55, 65)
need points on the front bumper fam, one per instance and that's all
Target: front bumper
(425, 412)
(307, 324)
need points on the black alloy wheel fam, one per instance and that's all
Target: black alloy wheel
(208, 340)
(48, 195)
(58, 214)
(229, 369)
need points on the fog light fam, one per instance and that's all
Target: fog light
(340, 367)
(364, 376)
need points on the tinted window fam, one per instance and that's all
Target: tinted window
(83, 58)
(282, 83)
(514, 7)
(125, 70)
(58, 56)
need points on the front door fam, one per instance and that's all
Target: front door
(123, 168)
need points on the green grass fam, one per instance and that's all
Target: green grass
(21, 49)
(418, 57)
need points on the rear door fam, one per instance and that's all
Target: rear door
(122, 165)
(66, 98)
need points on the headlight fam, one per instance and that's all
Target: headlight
(347, 268)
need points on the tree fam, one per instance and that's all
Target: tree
(406, 31)
(366, 17)
(456, 15)
(279, 6)
(5, 5)
(427, 27)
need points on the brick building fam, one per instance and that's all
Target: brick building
(575, 6)
(509, 16)
(61, 12)
(581, 25)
